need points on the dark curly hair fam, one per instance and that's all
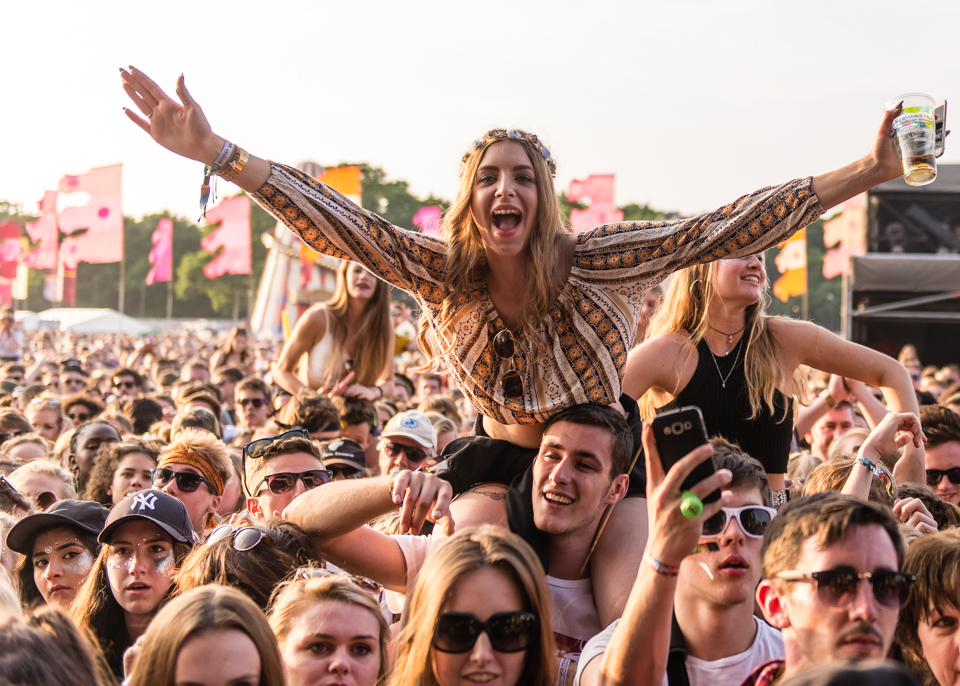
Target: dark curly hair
(108, 459)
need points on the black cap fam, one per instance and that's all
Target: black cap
(155, 506)
(343, 451)
(80, 514)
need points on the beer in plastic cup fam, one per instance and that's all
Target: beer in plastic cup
(914, 137)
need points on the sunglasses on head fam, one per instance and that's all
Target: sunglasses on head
(244, 538)
(256, 448)
(935, 476)
(255, 403)
(365, 584)
(838, 587)
(753, 520)
(284, 482)
(188, 482)
(344, 471)
(505, 348)
(509, 632)
(414, 455)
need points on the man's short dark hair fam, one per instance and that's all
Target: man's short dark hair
(126, 371)
(288, 446)
(604, 416)
(310, 410)
(143, 413)
(232, 374)
(12, 367)
(356, 411)
(940, 425)
(747, 472)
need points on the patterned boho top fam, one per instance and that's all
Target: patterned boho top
(590, 326)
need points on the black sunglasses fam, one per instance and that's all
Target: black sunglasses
(753, 520)
(838, 587)
(414, 455)
(284, 482)
(244, 538)
(187, 482)
(509, 632)
(256, 403)
(124, 384)
(343, 471)
(505, 348)
(935, 476)
(256, 448)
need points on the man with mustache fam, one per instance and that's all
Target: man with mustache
(831, 584)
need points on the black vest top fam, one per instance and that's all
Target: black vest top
(725, 409)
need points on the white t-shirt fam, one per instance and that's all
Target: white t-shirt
(575, 618)
(727, 671)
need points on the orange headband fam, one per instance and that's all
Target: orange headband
(183, 455)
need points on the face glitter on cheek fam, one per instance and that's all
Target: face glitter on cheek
(164, 565)
(80, 565)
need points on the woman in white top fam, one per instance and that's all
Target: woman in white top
(351, 332)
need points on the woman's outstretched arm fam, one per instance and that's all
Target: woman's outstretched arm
(183, 129)
(325, 220)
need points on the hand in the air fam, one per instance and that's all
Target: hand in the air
(182, 129)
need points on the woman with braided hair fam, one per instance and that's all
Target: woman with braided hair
(529, 318)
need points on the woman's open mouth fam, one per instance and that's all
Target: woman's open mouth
(506, 219)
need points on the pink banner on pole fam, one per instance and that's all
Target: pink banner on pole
(233, 235)
(428, 219)
(102, 218)
(161, 255)
(597, 189)
(44, 232)
(9, 248)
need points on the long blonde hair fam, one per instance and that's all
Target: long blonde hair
(685, 310)
(468, 551)
(373, 336)
(466, 265)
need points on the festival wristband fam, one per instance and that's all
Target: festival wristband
(661, 568)
(225, 154)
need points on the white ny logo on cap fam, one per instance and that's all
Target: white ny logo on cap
(145, 499)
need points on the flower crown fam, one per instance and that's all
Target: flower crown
(507, 134)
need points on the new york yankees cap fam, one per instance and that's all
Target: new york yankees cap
(155, 506)
(79, 514)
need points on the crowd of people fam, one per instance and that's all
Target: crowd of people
(479, 496)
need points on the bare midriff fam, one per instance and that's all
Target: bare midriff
(524, 435)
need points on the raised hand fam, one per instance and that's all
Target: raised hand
(182, 129)
(673, 536)
(424, 497)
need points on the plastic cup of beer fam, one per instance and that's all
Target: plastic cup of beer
(914, 137)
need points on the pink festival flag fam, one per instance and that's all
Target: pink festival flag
(101, 217)
(846, 233)
(44, 232)
(9, 249)
(598, 190)
(428, 219)
(161, 255)
(233, 235)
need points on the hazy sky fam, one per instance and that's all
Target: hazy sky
(690, 103)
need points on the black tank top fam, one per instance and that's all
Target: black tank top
(726, 408)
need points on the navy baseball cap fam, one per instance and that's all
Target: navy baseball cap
(80, 514)
(343, 451)
(154, 506)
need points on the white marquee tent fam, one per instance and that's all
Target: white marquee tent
(91, 320)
